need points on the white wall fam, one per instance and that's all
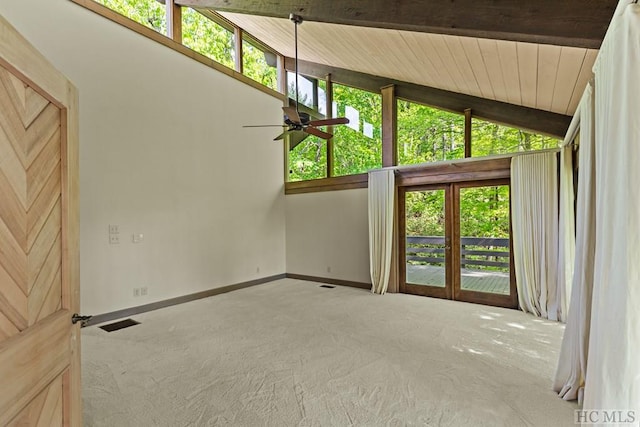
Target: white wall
(329, 230)
(162, 153)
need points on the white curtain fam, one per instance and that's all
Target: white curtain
(566, 232)
(613, 367)
(534, 204)
(381, 208)
(570, 375)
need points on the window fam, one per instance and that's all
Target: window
(208, 37)
(358, 145)
(490, 138)
(308, 159)
(307, 95)
(149, 13)
(204, 32)
(259, 65)
(426, 134)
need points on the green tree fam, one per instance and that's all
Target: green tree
(428, 134)
(308, 160)
(254, 66)
(149, 13)
(353, 151)
(491, 138)
(207, 37)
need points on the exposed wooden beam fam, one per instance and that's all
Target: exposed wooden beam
(282, 75)
(580, 23)
(389, 122)
(538, 121)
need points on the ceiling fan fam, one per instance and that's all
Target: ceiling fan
(299, 124)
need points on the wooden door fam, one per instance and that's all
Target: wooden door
(483, 258)
(426, 257)
(39, 346)
(445, 254)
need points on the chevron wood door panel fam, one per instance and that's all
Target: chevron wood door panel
(43, 411)
(39, 345)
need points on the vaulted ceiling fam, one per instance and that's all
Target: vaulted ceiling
(536, 54)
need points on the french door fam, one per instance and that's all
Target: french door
(455, 242)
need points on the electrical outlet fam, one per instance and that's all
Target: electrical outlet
(143, 291)
(328, 269)
(114, 229)
(136, 292)
(137, 237)
(114, 239)
(257, 269)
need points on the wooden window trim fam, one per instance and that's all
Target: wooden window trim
(346, 182)
(462, 170)
(389, 126)
(239, 49)
(172, 44)
(174, 20)
(330, 129)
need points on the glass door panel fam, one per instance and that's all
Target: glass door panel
(455, 242)
(484, 244)
(427, 248)
(484, 239)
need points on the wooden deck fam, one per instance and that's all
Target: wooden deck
(472, 280)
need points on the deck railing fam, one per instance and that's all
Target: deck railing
(483, 252)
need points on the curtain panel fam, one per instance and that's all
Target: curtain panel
(381, 223)
(534, 204)
(613, 371)
(571, 372)
(566, 232)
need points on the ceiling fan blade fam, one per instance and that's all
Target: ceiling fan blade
(317, 132)
(330, 122)
(282, 135)
(296, 137)
(265, 126)
(292, 114)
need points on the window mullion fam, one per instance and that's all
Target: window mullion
(174, 20)
(389, 126)
(329, 114)
(237, 39)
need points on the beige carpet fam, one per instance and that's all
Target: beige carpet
(290, 353)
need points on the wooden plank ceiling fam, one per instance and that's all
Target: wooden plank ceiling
(540, 76)
(578, 23)
(535, 55)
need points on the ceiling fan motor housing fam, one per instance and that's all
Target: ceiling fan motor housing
(304, 119)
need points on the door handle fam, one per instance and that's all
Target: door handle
(82, 319)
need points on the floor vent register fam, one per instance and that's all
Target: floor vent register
(126, 323)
